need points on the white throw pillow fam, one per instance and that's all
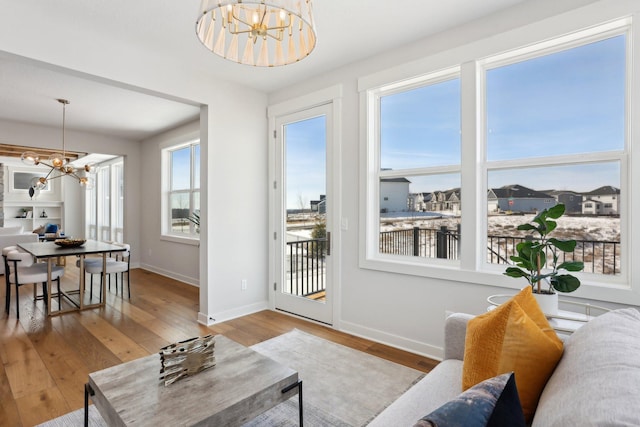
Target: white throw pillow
(4, 231)
(597, 382)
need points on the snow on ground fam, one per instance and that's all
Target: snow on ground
(569, 227)
(599, 257)
(575, 227)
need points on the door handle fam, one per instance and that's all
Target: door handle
(328, 243)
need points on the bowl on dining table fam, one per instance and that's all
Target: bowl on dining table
(69, 243)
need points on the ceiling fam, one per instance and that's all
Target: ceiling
(347, 31)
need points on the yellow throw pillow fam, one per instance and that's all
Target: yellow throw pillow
(515, 336)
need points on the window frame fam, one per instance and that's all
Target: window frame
(102, 218)
(376, 170)
(472, 62)
(549, 47)
(192, 237)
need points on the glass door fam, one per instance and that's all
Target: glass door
(303, 242)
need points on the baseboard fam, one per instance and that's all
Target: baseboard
(205, 320)
(186, 279)
(396, 341)
(223, 316)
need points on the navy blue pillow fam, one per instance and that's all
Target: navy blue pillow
(51, 228)
(492, 403)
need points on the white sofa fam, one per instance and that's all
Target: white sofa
(596, 382)
(11, 236)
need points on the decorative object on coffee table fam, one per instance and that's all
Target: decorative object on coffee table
(186, 358)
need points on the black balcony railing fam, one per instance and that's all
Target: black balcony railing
(599, 257)
(305, 267)
(305, 262)
(421, 242)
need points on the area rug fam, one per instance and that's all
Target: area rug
(342, 387)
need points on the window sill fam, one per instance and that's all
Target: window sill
(180, 239)
(602, 289)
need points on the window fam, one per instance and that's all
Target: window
(419, 171)
(182, 189)
(555, 120)
(105, 203)
(479, 147)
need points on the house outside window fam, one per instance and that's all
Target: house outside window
(181, 183)
(534, 128)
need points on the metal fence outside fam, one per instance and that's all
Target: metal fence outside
(306, 269)
(599, 257)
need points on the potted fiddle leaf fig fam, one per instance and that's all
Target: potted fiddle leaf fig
(195, 219)
(533, 262)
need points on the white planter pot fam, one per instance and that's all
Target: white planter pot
(548, 303)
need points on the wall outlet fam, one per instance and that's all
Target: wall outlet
(243, 284)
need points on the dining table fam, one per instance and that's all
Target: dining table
(49, 251)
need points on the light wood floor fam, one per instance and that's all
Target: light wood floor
(46, 361)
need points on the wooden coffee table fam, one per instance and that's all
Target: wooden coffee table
(241, 386)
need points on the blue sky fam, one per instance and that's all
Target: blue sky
(181, 160)
(181, 170)
(567, 103)
(306, 161)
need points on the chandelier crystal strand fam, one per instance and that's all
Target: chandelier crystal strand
(208, 38)
(248, 53)
(219, 47)
(263, 59)
(279, 32)
(232, 54)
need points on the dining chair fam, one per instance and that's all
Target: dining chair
(21, 270)
(119, 262)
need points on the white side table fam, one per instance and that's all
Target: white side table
(565, 322)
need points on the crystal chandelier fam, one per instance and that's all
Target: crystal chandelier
(58, 163)
(263, 33)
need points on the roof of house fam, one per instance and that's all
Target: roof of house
(519, 192)
(603, 191)
(427, 197)
(560, 192)
(455, 192)
(394, 180)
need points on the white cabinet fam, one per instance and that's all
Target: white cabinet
(30, 215)
(18, 208)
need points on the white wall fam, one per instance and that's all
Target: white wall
(236, 222)
(178, 260)
(233, 232)
(404, 310)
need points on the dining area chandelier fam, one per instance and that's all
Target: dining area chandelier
(261, 33)
(58, 164)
